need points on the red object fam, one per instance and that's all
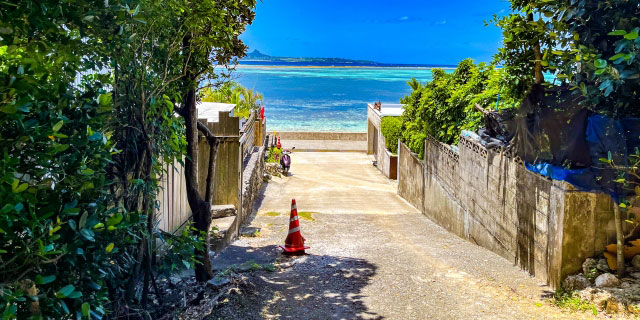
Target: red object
(262, 112)
(279, 146)
(294, 244)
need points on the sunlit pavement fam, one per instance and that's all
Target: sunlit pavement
(372, 255)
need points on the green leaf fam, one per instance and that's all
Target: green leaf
(599, 63)
(105, 99)
(622, 205)
(65, 291)
(617, 56)
(617, 33)
(631, 36)
(57, 126)
(87, 172)
(109, 248)
(115, 219)
(88, 234)
(7, 207)
(86, 309)
(45, 279)
(21, 188)
(83, 220)
(9, 109)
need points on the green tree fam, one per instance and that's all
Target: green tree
(210, 38)
(246, 100)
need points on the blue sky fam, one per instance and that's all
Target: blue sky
(390, 31)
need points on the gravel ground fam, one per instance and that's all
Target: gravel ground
(377, 259)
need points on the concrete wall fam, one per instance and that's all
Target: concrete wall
(546, 227)
(387, 162)
(301, 135)
(410, 176)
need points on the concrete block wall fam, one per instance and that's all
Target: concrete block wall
(546, 227)
(411, 173)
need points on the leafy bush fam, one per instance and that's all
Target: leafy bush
(391, 128)
(444, 107)
(87, 119)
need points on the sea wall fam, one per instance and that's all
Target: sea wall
(546, 227)
(303, 135)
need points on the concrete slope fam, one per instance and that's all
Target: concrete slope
(333, 182)
(372, 256)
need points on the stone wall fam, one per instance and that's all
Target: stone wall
(546, 227)
(252, 181)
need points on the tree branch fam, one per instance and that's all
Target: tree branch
(211, 138)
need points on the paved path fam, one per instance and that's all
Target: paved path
(372, 256)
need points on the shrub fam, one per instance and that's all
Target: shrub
(391, 128)
(444, 107)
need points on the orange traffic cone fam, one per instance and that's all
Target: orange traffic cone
(294, 244)
(279, 146)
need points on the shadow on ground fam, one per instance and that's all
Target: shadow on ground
(303, 287)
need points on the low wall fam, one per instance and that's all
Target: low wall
(410, 176)
(252, 181)
(546, 227)
(301, 135)
(387, 163)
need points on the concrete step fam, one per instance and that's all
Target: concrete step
(223, 210)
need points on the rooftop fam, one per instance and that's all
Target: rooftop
(210, 110)
(389, 109)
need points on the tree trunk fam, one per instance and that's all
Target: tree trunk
(201, 209)
(539, 77)
(619, 241)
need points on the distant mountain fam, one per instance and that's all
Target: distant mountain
(258, 58)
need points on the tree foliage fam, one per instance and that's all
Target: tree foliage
(246, 100)
(88, 95)
(444, 106)
(391, 128)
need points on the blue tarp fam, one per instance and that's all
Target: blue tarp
(605, 137)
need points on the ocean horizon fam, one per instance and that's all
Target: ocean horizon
(326, 98)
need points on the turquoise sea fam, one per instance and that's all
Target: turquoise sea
(326, 98)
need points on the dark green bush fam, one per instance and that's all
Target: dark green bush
(444, 107)
(391, 128)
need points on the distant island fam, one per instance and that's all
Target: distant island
(258, 58)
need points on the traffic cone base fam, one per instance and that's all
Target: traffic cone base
(294, 244)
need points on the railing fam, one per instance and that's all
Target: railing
(248, 135)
